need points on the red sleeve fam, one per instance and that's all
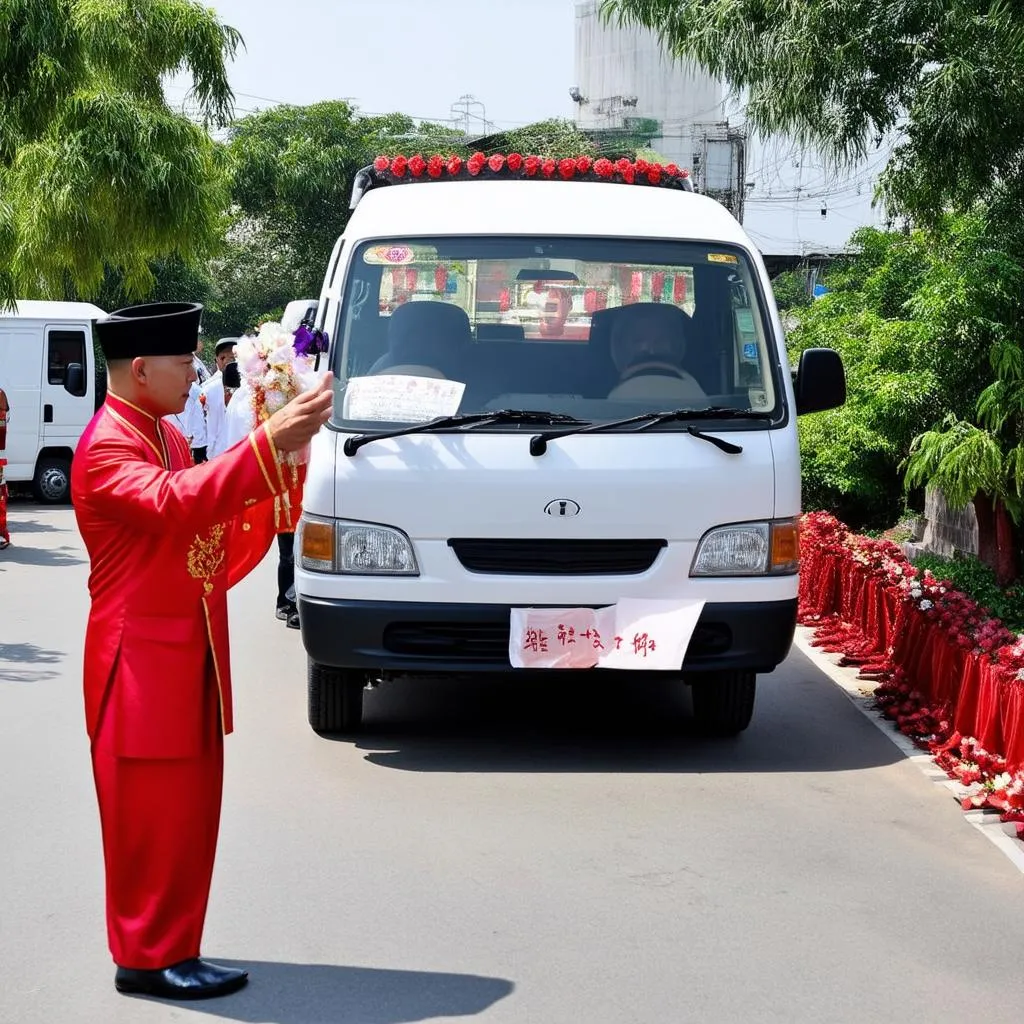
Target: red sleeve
(253, 532)
(121, 486)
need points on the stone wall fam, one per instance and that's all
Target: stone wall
(947, 530)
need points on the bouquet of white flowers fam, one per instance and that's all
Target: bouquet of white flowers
(276, 366)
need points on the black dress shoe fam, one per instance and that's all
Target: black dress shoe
(191, 979)
(293, 621)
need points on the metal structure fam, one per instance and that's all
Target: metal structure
(792, 201)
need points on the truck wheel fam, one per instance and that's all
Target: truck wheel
(723, 702)
(335, 699)
(52, 482)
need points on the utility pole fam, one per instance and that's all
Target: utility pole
(462, 109)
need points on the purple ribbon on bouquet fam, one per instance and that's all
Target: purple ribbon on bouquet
(310, 342)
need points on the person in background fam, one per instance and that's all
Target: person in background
(166, 540)
(214, 400)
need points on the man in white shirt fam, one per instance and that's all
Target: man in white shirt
(191, 421)
(214, 400)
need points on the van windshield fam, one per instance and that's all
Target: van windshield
(591, 328)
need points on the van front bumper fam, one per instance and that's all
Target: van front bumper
(402, 637)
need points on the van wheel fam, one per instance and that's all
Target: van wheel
(335, 697)
(723, 702)
(52, 482)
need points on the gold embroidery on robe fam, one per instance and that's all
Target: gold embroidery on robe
(206, 556)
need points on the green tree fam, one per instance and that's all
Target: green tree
(947, 74)
(292, 174)
(790, 288)
(556, 138)
(915, 318)
(97, 172)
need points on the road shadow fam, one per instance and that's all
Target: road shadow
(588, 723)
(27, 654)
(280, 993)
(18, 554)
(30, 653)
(22, 526)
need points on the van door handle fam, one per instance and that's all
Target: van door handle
(47, 413)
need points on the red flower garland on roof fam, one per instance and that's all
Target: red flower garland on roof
(389, 170)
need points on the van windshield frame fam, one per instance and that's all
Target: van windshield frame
(580, 281)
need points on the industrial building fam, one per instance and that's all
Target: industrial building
(790, 200)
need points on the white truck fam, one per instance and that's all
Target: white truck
(553, 396)
(48, 369)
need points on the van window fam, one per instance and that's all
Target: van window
(593, 328)
(63, 348)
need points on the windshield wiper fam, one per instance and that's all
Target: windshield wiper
(476, 419)
(539, 442)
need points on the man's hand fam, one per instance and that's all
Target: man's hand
(294, 426)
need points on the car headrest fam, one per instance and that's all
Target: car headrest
(651, 328)
(424, 332)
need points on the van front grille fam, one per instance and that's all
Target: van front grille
(528, 557)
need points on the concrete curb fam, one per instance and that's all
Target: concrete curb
(1002, 836)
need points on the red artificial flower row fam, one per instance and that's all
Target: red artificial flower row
(567, 169)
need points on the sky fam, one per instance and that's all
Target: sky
(414, 56)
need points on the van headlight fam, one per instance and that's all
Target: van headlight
(362, 549)
(769, 548)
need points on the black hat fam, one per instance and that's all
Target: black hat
(224, 344)
(153, 329)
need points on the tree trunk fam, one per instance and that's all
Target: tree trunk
(1006, 543)
(997, 543)
(988, 544)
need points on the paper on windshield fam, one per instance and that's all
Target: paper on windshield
(399, 398)
(637, 634)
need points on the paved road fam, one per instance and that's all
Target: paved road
(509, 853)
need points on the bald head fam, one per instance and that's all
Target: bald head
(158, 384)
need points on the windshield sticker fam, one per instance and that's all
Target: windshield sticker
(399, 398)
(721, 257)
(750, 352)
(745, 320)
(758, 399)
(388, 255)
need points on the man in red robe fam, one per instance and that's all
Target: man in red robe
(166, 539)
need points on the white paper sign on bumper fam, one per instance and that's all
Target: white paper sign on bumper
(400, 398)
(635, 634)
(651, 635)
(558, 637)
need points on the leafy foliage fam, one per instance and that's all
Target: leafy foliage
(972, 577)
(915, 318)
(96, 171)
(944, 74)
(292, 174)
(556, 138)
(790, 288)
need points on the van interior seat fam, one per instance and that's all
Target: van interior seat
(500, 332)
(532, 367)
(428, 339)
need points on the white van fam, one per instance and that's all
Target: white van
(568, 395)
(48, 369)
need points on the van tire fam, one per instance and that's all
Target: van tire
(52, 482)
(335, 699)
(723, 702)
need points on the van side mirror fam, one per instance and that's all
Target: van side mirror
(820, 381)
(74, 379)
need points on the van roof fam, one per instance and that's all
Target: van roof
(511, 207)
(31, 309)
